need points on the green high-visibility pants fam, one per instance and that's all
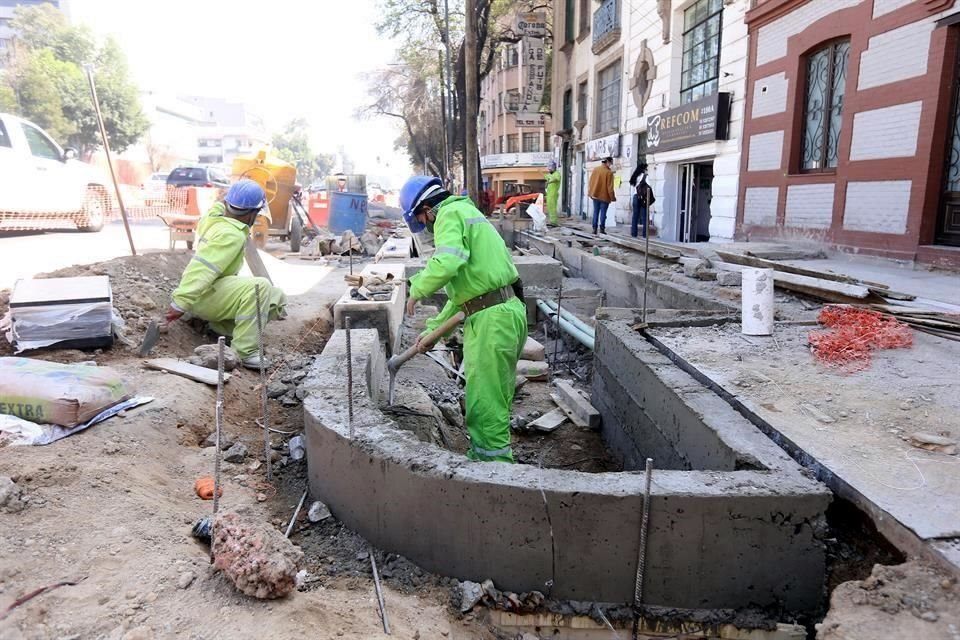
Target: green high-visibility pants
(231, 309)
(493, 340)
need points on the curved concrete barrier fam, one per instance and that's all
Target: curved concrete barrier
(718, 539)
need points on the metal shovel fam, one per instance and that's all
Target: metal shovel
(394, 363)
(150, 338)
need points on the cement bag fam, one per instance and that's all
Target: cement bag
(533, 350)
(535, 211)
(532, 370)
(54, 393)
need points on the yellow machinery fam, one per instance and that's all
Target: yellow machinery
(279, 179)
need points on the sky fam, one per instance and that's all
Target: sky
(283, 58)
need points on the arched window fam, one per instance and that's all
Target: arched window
(826, 77)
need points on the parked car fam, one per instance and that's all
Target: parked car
(43, 181)
(155, 189)
(197, 177)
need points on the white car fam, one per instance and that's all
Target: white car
(155, 189)
(42, 181)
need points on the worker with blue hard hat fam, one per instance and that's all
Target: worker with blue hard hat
(474, 266)
(210, 288)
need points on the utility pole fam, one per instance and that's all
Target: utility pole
(448, 108)
(471, 159)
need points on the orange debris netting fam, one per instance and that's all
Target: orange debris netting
(853, 334)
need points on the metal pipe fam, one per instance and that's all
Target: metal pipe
(571, 318)
(575, 331)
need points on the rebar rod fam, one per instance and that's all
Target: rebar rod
(218, 422)
(380, 603)
(346, 327)
(264, 406)
(644, 526)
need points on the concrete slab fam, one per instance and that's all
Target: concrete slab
(396, 249)
(584, 413)
(865, 454)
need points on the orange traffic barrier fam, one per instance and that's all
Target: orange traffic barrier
(204, 488)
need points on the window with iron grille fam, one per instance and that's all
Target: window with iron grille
(501, 144)
(513, 100)
(826, 76)
(582, 101)
(511, 56)
(531, 142)
(701, 50)
(608, 98)
(567, 110)
(513, 143)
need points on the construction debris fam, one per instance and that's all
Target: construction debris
(576, 406)
(533, 370)
(257, 558)
(549, 422)
(533, 350)
(318, 512)
(855, 333)
(186, 370)
(206, 356)
(932, 442)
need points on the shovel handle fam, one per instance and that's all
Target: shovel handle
(427, 342)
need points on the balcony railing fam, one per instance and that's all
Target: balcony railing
(606, 25)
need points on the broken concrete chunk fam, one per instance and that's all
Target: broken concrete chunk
(470, 593)
(206, 356)
(318, 512)
(226, 440)
(532, 370)
(729, 278)
(533, 350)
(276, 389)
(549, 422)
(11, 496)
(519, 382)
(932, 442)
(236, 453)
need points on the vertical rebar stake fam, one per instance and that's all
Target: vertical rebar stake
(644, 525)
(264, 408)
(556, 343)
(218, 422)
(346, 327)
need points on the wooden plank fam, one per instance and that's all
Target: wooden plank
(187, 370)
(760, 263)
(815, 287)
(255, 262)
(655, 251)
(550, 421)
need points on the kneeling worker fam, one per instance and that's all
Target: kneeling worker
(210, 288)
(472, 262)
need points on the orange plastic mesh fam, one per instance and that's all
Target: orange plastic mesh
(854, 334)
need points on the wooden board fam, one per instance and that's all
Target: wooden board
(760, 263)
(187, 370)
(655, 250)
(827, 290)
(549, 421)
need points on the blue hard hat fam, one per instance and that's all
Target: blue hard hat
(413, 193)
(245, 194)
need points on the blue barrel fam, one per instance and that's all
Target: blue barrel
(348, 211)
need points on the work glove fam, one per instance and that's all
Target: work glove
(173, 314)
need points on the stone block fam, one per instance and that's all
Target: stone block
(729, 278)
(386, 316)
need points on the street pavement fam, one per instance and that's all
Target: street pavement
(25, 254)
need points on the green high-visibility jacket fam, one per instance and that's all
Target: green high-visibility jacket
(470, 259)
(219, 254)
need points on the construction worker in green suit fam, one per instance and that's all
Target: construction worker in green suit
(210, 288)
(553, 192)
(473, 265)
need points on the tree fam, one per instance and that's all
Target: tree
(421, 27)
(50, 85)
(293, 145)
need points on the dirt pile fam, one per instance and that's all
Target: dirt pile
(916, 600)
(255, 556)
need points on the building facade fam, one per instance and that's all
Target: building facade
(854, 134)
(661, 82)
(511, 155)
(229, 130)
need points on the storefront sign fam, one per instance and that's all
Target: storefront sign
(532, 28)
(608, 147)
(529, 159)
(703, 120)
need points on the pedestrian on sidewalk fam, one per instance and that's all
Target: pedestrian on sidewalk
(474, 266)
(210, 288)
(642, 199)
(553, 192)
(602, 193)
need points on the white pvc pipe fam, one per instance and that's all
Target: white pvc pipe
(582, 337)
(571, 318)
(757, 298)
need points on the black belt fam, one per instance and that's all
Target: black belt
(487, 300)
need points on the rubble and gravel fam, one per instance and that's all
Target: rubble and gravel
(256, 557)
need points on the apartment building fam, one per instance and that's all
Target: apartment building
(854, 130)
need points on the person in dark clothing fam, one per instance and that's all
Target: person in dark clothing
(642, 199)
